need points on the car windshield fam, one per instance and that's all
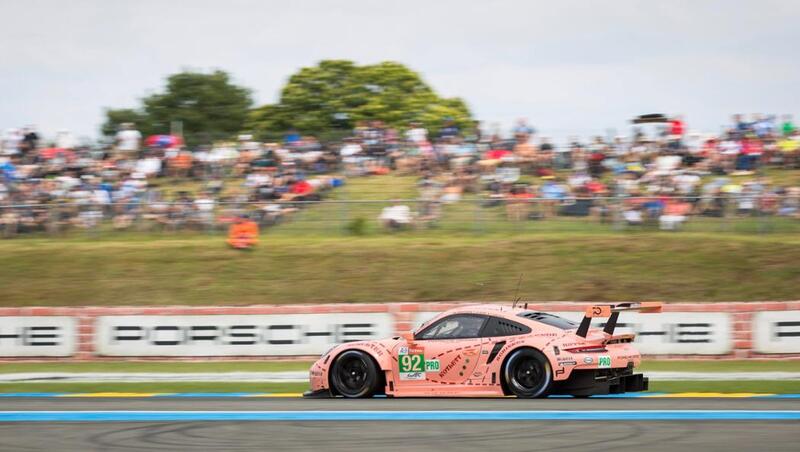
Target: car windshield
(549, 319)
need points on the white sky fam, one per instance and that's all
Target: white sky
(568, 66)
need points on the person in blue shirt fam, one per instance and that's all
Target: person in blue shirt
(292, 137)
(523, 129)
(764, 126)
(449, 129)
(8, 170)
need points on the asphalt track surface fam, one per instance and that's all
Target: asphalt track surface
(600, 435)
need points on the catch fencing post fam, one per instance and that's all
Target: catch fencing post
(477, 225)
(344, 216)
(615, 206)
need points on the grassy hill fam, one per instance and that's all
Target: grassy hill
(197, 269)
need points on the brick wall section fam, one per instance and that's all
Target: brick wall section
(403, 314)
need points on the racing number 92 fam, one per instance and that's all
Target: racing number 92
(412, 363)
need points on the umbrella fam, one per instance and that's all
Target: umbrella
(650, 118)
(164, 141)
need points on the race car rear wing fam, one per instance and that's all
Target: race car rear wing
(612, 312)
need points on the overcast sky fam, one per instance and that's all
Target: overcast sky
(567, 66)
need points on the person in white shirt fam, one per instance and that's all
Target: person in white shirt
(686, 183)
(417, 134)
(204, 205)
(11, 141)
(395, 216)
(150, 166)
(128, 139)
(65, 139)
(667, 164)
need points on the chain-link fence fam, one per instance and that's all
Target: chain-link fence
(734, 213)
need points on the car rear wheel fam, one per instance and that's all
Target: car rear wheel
(528, 374)
(355, 374)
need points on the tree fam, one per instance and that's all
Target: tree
(336, 94)
(209, 106)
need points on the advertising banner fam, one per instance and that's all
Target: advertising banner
(32, 336)
(235, 335)
(776, 332)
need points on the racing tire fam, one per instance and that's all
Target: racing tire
(527, 374)
(354, 374)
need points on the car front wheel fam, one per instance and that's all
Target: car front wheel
(528, 374)
(355, 374)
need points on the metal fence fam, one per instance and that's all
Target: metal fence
(734, 213)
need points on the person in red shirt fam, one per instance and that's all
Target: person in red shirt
(595, 186)
(302, 187)
(677, 127)
(750, 153)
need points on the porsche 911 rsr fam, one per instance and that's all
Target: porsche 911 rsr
(489, 350)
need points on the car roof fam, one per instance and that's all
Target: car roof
(496, 310)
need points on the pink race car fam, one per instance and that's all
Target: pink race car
(488, 351)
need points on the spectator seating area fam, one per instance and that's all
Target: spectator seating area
(662, 173)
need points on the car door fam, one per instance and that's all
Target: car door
(444, 353)
(496, 333)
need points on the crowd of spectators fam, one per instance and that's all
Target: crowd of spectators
(156, 182)
(662, 172)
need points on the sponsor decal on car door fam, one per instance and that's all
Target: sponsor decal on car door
(458, 360)
(437, 362)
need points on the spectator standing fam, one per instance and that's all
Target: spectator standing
(788, 128)
(750, 152)
(416, 134)
(30, 141)
(522, 131)
(546, 149)
(374, 139)
(789, 147)
(677, 126)
(129, 140)
(561, 156)
(65, 139)
(292, 138)
(740, 126)
(11, 142)
(677, 129)
(204, 205)
(763, 126)
(449, 129)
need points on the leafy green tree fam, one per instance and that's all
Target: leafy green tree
(209, 106)
(336, 94)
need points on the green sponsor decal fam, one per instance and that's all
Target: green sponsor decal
(604, 361)
(432, 365)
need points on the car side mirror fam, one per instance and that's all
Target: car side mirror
(408, 336)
